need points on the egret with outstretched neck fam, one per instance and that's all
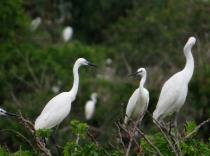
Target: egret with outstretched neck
(138, 102)
(59, 106)
(174, 91)
(90, 106)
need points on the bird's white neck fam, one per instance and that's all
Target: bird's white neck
(94, 99)
(75, 86)
(142, 82)
(189, 66)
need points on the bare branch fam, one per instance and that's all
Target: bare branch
(120, 135)
(164, 134)
(196, 129)
(149, 142)
(30, 127)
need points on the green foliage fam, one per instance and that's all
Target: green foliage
(191, 147)
(159, 140)
(3, 152)
(22, 153)
(190, 126)
(133, 33)
(194, 147)
(46, 133)
(74, 149)
(79, 128)
(13, 20)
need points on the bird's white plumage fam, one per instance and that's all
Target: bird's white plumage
(35, 23)
(138, 102)
(2, 112)
(90, 106)
(59, 106)
(55, 111)
(67, 33)
(174, 91)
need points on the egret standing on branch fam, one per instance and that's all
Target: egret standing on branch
(138, 102)
(59, 107)
(67, 33)
(90, 106)
(174, 91)
(5, 113)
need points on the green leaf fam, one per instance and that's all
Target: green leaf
(46, 133)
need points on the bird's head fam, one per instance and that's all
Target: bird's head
(84, 62)
(5, 113)
(94, 95)
(190, 43)
(2, 112)
(140, 71)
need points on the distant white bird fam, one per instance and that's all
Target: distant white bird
(5, 113)
(35, 23)
(59, 106)
(67, 33)
(108, 61)
(56, 88)
(138, 102)
(90, 106)
(174, 91)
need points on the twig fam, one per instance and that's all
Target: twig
(92, 138)
(149, 142)
(120, 135)
(30, 127)
(77, 140)
(196, 129)
(31, 71)
(164, 134)
(132, 136)
(21, 135)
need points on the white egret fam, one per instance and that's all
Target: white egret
(35, 23)
(67, 33)
(108, 61)
(138, 102)
(90, 106)
(59, 106)
(5, 113)
(174, 91)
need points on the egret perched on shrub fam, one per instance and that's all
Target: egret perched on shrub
(138, 102)
(67, 33)
(59, 106)
(174, 91)
(35, 23)
(90, 106)
(5, 113)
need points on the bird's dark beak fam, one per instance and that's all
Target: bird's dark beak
(92, 65)
(133, 74)
(10, 114)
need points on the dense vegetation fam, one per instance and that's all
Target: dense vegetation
(133, 34)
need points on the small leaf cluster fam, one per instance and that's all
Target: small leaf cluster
(46, 133)
(79, 128)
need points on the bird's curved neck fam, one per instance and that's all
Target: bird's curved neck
(75, 86)
(142, 82)
(189, 66)
(93, 99)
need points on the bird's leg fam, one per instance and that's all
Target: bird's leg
(43, 139)
(163, 125)
(54, 140)
(176, 131)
